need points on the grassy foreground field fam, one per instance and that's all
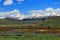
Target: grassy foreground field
(29, 36)
(6, 34)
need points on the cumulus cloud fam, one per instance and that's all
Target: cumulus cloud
(14, 14)
(32, 14)
(36, 13)
(8, 2)
(46, 12)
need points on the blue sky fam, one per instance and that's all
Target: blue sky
(26, 5)
(29, 8)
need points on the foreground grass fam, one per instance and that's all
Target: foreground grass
(28, 36)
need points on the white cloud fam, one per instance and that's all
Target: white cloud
(36, 13)
(14, 14)
(46, 12)
(8, 2)
(17, 14)
(32, 14)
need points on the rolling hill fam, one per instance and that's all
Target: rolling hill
(50, 21)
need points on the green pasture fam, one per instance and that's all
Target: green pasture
(28, 36)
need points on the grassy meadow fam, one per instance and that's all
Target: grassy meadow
(28, 36)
